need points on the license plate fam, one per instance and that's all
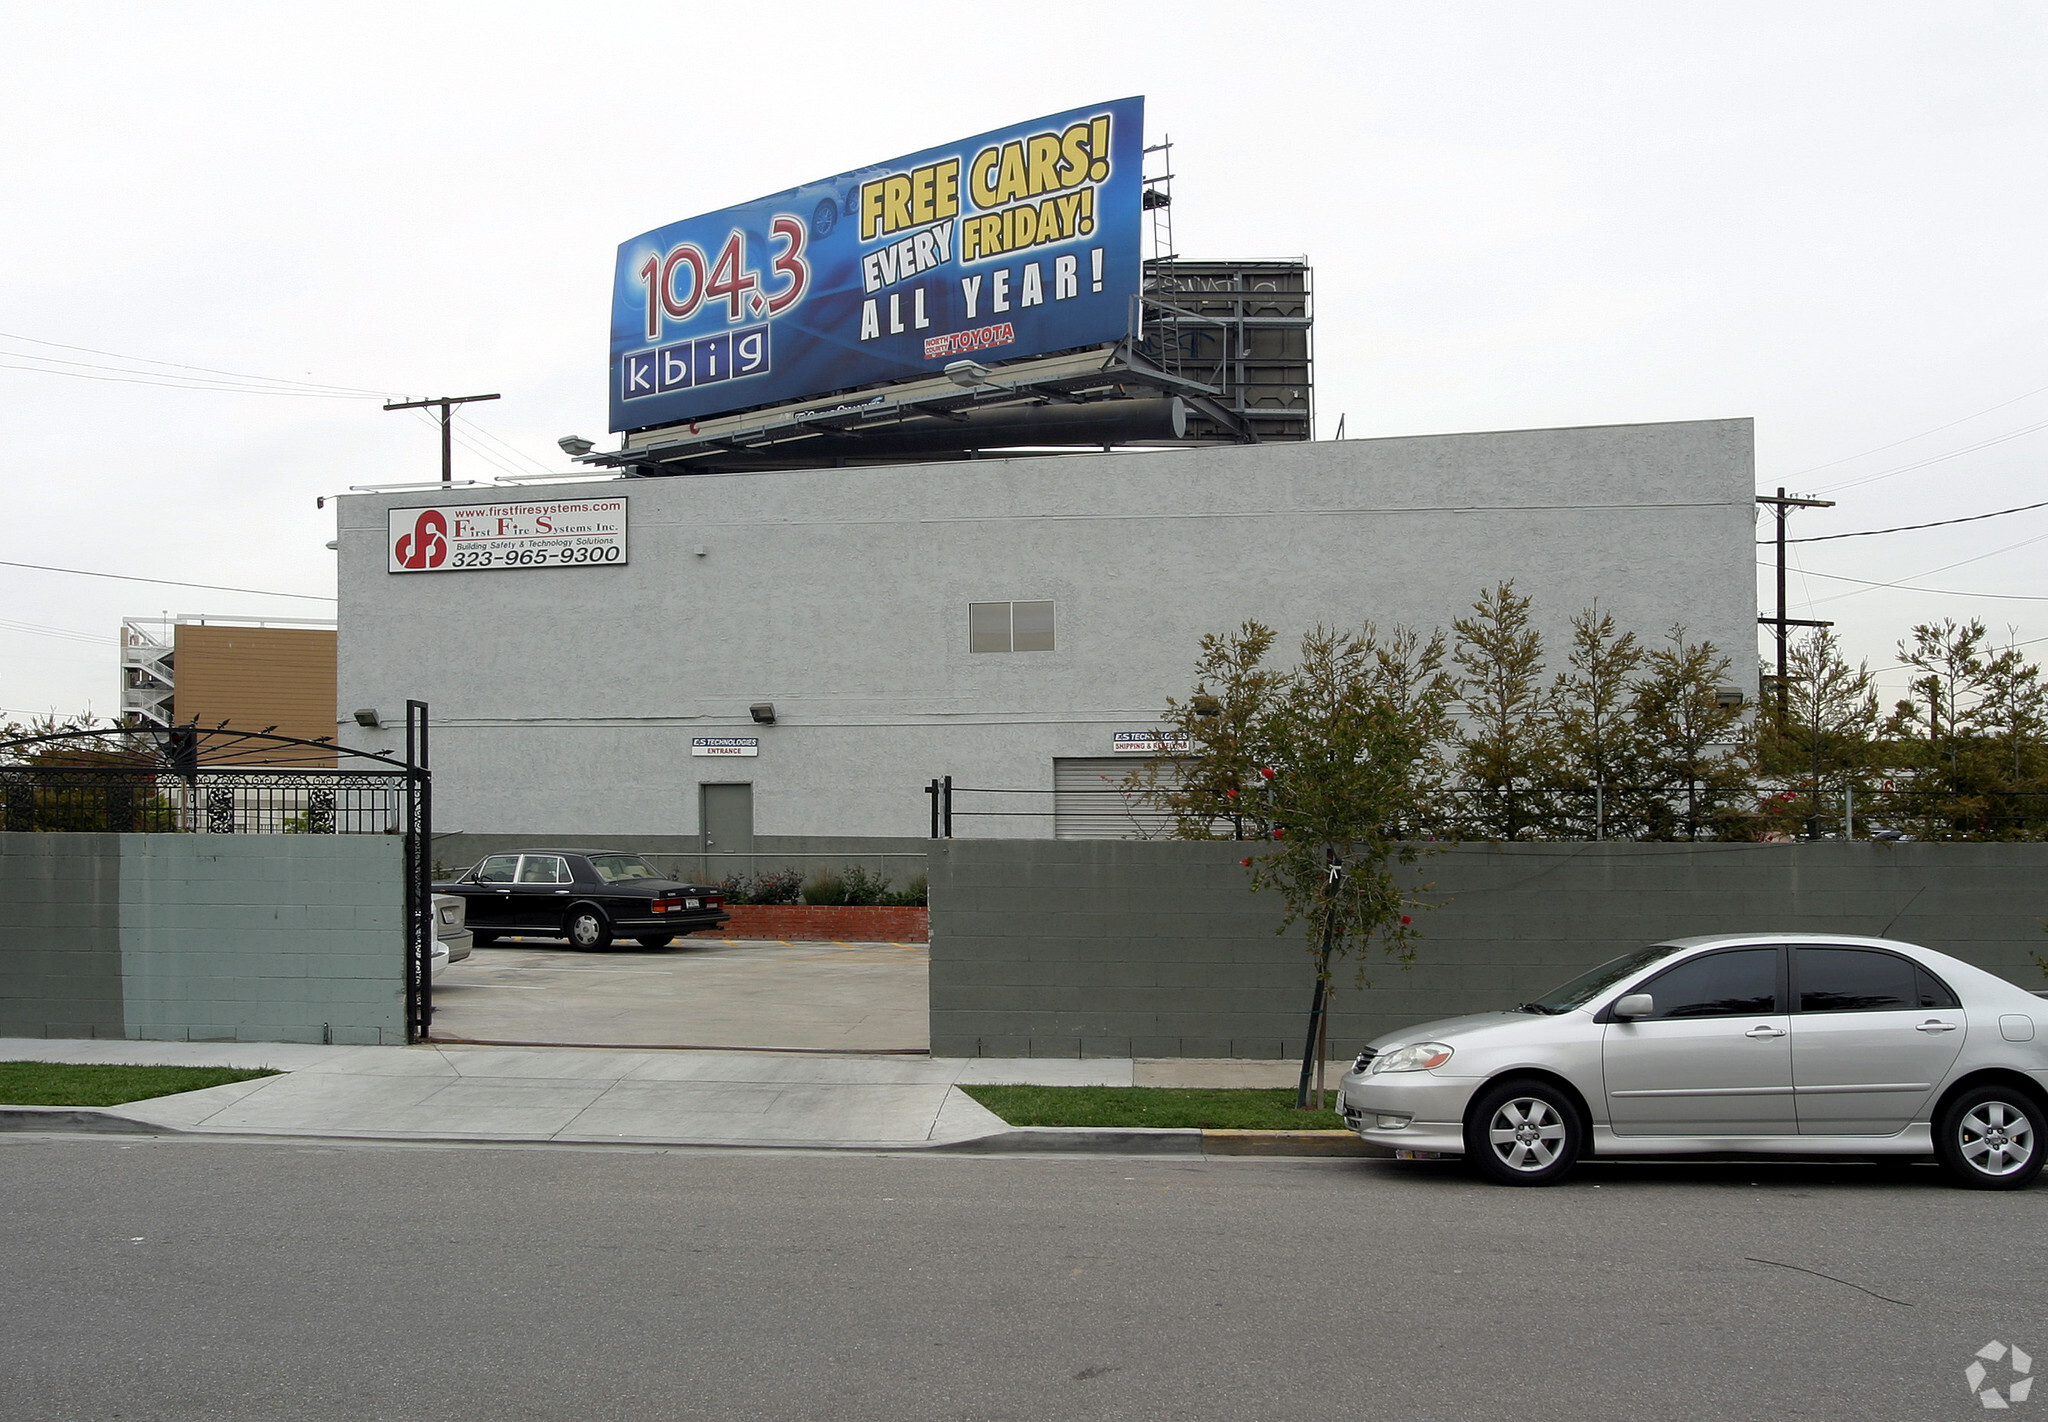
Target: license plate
(691, 903)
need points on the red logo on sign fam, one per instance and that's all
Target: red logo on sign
(427, 545)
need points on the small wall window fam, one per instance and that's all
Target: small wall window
(1009, 627)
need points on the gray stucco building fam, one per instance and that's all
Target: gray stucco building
(565, 700)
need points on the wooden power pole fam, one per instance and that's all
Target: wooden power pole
(1781, 505)
(445, 402)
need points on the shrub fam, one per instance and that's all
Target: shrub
(852, 886)
(777, 888)
(911, 895)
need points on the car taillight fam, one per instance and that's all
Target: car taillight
(713, 901)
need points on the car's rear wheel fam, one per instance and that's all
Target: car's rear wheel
(588, 929)
(1989, 1138)
(659, 940)
(1524, 1133)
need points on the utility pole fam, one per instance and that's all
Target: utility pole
(448, 458)
(1782, 505)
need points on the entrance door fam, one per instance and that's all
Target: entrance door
(725, 813)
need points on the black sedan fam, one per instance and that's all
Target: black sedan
(584, 895)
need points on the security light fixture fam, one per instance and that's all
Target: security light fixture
(1728, 696)
(575, 446)
(763, 712)
(367, 716)
(967, 374)
(1207, 706)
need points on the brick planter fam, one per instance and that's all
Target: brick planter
(818, 923)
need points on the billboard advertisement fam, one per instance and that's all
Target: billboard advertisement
(462, 538)
(1012, 243)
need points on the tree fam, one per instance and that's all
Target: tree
(1600, 749)
(1507, 745)
(1968, 743)
(1827, 742)
(1328, 764)
(1216, 783)
(1693, 738)
(1341, 751)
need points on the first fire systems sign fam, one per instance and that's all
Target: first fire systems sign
(575, 533)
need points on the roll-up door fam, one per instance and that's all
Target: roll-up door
(1089, 803)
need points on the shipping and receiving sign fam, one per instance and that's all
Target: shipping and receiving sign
(725, 745)
(1150, 743)
(1012, 243)
(456, 538)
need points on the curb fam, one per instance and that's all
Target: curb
(95, 1119)
(1017, 1140)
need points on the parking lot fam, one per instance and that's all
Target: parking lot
(698, 992)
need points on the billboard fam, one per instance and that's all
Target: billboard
(461, 538)
(1012, 243)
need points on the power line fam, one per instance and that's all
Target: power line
(172, 383)
(1934, 459)
(1816, 468)
(1909, 527)
(164, 582)
(1907, 587)
(174, 365)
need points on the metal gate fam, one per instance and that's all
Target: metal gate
(190, 780)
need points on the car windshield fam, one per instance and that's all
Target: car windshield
(614, 867)
(1588, 985)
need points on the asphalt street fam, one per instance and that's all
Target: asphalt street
(163, 1278)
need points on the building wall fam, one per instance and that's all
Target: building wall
(181, 937)
(564, 699)
(1155, 949)
(257, 677)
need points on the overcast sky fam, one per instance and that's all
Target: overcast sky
(1830, 217)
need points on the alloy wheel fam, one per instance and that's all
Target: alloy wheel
(1996, 1138)
(1526, 1134)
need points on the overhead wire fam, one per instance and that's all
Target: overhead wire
(163, 582)
(1906, 527)
(350, 390)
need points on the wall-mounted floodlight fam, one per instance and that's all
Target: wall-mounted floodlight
(967, 374)
(763, 712)
(575, 446)
(367, 716)
(1728, 696)
(1207, 706)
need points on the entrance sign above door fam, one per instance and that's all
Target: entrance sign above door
(725, 745)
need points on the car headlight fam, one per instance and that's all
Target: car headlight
(1420, 1056)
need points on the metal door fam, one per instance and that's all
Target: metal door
(1089, 800)
(726, 814)
(1874, 1036)
(1714, 1060)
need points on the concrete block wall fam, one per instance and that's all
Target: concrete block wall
(271, 938)
(1136, 948)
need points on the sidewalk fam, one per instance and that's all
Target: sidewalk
(604, 1096)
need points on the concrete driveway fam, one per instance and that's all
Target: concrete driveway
(699, 992)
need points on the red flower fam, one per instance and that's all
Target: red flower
(1279, 834)
(1246, 862)
(1405, 919)
(1231, 793)
(1267, 771)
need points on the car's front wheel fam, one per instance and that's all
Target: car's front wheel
(586, 928)
(1989, 1138)
(1524, 1133)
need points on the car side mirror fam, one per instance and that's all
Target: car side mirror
(1636, 1004)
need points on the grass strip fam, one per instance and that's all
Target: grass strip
(1215, 1109)
(69, 1084)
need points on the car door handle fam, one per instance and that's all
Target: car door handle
(1764, 1030)
(1935, 1025)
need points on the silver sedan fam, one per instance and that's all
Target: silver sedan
(1745, 1044)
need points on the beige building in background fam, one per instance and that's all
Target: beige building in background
(272, 674)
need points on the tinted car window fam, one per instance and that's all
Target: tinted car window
(543, 869)
(1854, 980)
(1933, 991)
(1741, 983)
(497, 869)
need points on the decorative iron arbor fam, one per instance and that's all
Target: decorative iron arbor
(192, 780)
